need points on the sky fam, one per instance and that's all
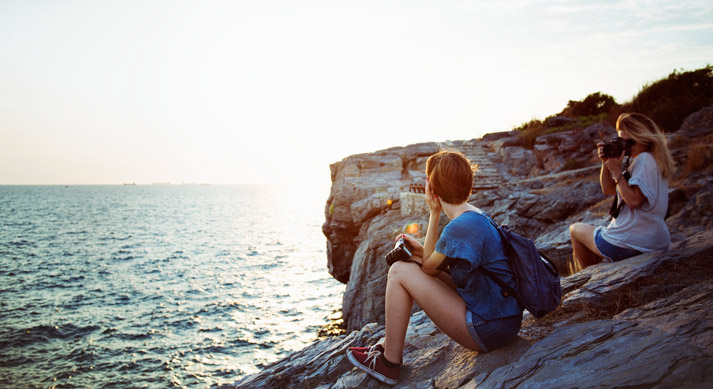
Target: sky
(274, 91)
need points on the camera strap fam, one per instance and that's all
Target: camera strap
(616, 205)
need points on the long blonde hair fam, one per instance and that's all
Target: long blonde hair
(645, 131)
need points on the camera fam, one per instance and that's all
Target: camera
(401, 252)
(613, 148)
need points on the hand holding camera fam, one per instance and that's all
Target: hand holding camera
(615, 147)
(613, 152)
(403, 251)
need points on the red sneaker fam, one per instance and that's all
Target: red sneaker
(369, 349)
(372, 363)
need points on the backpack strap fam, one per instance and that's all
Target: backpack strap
(616, 206)
(505, 289)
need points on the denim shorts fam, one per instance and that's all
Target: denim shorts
(615, 253)
(493, 334)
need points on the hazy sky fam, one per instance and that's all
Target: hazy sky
(107, 92)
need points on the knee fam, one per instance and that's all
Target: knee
(574, 230)
(402, 269)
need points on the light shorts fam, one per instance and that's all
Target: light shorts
(615, 253)
(493, 334)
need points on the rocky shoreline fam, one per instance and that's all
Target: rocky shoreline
(640, 322)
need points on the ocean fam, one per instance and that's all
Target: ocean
(158, 286)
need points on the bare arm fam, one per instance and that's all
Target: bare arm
(606, 181)
(605, 175)
(432, 258)
(429, 259)
(426, 255)
(631, 194)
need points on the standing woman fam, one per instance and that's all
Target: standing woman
(638, 223)
(465, 304)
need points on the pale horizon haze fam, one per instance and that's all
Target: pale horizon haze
(270, 92)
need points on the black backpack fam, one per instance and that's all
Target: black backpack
(537, 281)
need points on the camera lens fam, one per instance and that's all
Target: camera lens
(610, 150)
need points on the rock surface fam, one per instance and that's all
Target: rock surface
(612, 328)
(618, 326)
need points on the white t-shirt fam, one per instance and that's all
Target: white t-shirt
(643, 228)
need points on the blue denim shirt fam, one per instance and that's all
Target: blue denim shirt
(470, 241)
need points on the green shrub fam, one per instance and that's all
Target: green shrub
(670, 100)
(528, 125)
(595, 104)
(529, 132)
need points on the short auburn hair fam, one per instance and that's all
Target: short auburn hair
(450, 176)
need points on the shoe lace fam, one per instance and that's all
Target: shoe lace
(372, 354)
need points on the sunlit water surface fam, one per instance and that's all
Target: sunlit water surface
(158, 286)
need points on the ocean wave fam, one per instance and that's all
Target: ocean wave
(22, 243)
(82, 232)
(18, 337)
(212, 329)
(132, 336)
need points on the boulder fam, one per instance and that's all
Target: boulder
(518, 160)
(612, 353)
(492, 136)
(697, 124)
(558, 121)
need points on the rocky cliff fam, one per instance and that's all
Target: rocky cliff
(644, 322)
(538, 192)
(641, 322)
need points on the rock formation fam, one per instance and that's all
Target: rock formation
(641, 322)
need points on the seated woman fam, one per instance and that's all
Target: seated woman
(638, 223)
(465, 304)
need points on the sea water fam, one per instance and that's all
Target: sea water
(157, 286)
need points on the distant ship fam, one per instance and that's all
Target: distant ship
(132, 184)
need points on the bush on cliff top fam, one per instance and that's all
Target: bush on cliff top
(667, 101)
(593, 105)
(670, 100)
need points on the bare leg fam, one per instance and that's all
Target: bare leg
(584, 250)
(406, 284)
